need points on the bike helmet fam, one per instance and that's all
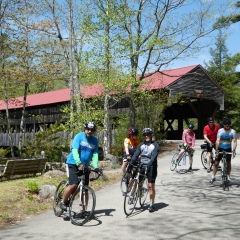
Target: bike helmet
(226, 121)
(210, 119)
(90, 125)
(132, 131)
(147, 131)
(191, 126)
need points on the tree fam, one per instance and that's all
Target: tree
(228, 20)
(152, 34)
(222, 68)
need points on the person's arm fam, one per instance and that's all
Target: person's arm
(217, 145)
(95, 158)
(234, 144)
(193, 141)
(76, 156)
(136, 154)
(126, 148)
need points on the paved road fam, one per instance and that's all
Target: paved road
(187, 208)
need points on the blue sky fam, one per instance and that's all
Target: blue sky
(232, 43)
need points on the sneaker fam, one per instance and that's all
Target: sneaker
(229, 179)
(63, 206)
(151, 208)
(190, 169)
(212, 180)
(208, 170)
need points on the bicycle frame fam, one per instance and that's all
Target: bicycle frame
(224, 169)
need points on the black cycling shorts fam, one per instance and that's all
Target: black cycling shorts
(73, 175)
(229, 156)
(151, 173)
(209, 148)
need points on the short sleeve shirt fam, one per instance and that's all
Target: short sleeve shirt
(226, 138)
(211, 132)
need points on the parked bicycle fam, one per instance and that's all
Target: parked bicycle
(137, 189)
(204, 156)
(176, 162)
(81, 204)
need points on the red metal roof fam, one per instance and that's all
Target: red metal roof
(154, 81)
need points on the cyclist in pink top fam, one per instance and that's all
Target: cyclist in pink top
(188, 143)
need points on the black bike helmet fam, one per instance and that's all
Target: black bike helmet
(132, 131)
(191, 126)
(226, 121)
(210, 119)
(90, 125)
(147, 131)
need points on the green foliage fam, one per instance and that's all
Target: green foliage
(33, 187)
(4, 152)
(122, 124)
(50, 141)
(222, 69)
(90, 111)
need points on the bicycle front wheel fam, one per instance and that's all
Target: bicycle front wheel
(58, 198)
(131, 197)
(82, 210)
(204, 156)
(143, 192)
(224, 177)
(124, 182)
(174, 161)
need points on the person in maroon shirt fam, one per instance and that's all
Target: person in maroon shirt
(210, 136)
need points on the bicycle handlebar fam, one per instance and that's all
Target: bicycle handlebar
(90, 169)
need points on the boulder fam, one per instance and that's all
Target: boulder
(47, 191)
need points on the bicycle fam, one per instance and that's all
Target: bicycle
(225, 181)
(81, 204)
(124, 183)
(138, 188)
(175, 162)
(204, 156)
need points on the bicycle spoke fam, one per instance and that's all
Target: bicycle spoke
(58, 197)
(173, 164)
(81, 210)
(124, 182)
(130, 198)
(204, 158)
(143, 192)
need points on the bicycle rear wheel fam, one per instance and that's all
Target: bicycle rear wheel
(204, 158)
(131, 197)
(82, 210)
(174, 161)
(125, 182)
(58, 198)
(143, 192)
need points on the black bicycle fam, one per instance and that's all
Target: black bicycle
(137, 189)
(124, 183)
(81, 204)
(204, 156)
(225, 182)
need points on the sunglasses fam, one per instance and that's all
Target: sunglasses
(90, 129)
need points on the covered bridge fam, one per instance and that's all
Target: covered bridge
(200, 98)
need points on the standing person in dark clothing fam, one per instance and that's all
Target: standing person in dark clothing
(148, 153)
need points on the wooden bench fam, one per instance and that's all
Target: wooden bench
(18, 167)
